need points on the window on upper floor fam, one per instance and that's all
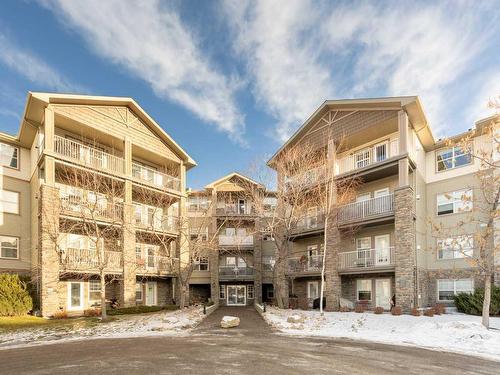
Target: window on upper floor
(448, 288)
(201, 264)
(9, 156)
(9, 202)
(268, 262)
(455, 247)
(9, 247)
(454, 202)
(197, 203)
(452, 157)
(269, 204)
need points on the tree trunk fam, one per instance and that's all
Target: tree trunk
(182, 296)
(486, 301)
(104, 315)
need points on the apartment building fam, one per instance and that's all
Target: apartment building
(236, 269)
(53, 219)
(382, 245)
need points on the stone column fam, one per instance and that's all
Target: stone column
(183, 241)
(405, 237)
(257, 259)
(214, 253)
(48, 226)
(333, 287)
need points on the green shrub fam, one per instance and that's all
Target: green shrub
(473, 303)
(14, 297)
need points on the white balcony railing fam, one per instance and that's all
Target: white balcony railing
(154, 223)
(83, 205)
(367, 209)
(310, 222)
(89, 156)
(235, 272)
(306, 179)
(368, 156)
(305, 264)
(156, 264)
(225, 240)
(367, 258)
(155, 178)
(234, 209)
(91, 260)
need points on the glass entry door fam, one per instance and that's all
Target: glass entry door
(236, 295)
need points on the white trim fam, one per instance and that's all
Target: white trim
(371, 290)
(141, 287)
(82, 304)
(88, 292)
(454, 287)
(309, 289)
(155, 293)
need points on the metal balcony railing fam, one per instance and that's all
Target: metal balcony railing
(156, 264)
(86, 207)
(91, 260)
(234, 209)
(235, 272)
(367, 258)
(155, 178)
(306, 179)
(236, 241)
(88, 156)
(310, 222)
(368, 156)
(367, 209)
(305, 264)
(162, 224)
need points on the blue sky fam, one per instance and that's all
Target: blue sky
(231, 80)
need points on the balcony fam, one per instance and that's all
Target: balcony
(368, 156)
(168, 224)
(234, 209)
(366, 259)
(366, 210)
(235, 241)
(87, 156)
(88, 205)
(89, 260)
(235, 273)
(306, 179)
(305, 265)
(154, 264)
(155, 178)
(311, 223)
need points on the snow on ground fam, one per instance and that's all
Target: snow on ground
(176, 322)
(450, 332)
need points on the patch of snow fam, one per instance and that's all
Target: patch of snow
(177, 322)
(458, 333)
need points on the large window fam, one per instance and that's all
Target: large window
(447, 288)
(9, 202)
(455, 247)
(312, 289)
(222, 291)
(94, 292)
(268, 262)
(197, 203)
(364, 290)
(250, 292)
(10, 247)
(9, 156)
(201, 264)
(138, 292)
(452, 157)
(454, 202)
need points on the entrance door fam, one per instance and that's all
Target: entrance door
(382, 250)
(383, 293)
(236, 295)
(151, 293)
(75, 296)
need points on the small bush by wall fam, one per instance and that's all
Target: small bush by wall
(415, 312)
(359, 309)
(473, 303)
(440, 309)
(344, 309)
(62, 314)
(396, 310)
(92, 312)
(429, 312)
(14, 296)
(378, 310)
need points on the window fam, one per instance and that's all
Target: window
(452, 157)
(10, 247)
(268, 262)
(94, 292)
(448, 288)
(454, 202)
(138, 292)
(199, 234)
(138, 252)
(267, 237)
(9, 156)
(455, 247)
(250, 292)
(270, 204)
(197, 203)
(312, 289)
(230, 261)
(201, 264)
(9, 202)
(364, 290)
(270, 292)
(363, 246)
(222, 291)
(362, 159)
(75, 295)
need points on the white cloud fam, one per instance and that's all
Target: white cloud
(301, 52)
(32, 67)
(489, 90)
(151, 41)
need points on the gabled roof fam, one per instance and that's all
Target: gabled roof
(411, 104)
(37, 101)
(228, 177)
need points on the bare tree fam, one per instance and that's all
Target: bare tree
(89, 209)
(483, 212)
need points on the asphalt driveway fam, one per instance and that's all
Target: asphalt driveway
(251, 348)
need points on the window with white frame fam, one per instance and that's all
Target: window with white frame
(199, 234)
(453, 157)
(9, 247)
(268, 262)
(201, 264)
(448, 288)
(222, 291)
(250, 292)
(138, 252)
(364, 289)
(269, 204)
(138, 292)
(312, 289)
(9, 202)
(454, 202)
(455, 247)
(197, 203)
(94, 292)
(9, 156)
